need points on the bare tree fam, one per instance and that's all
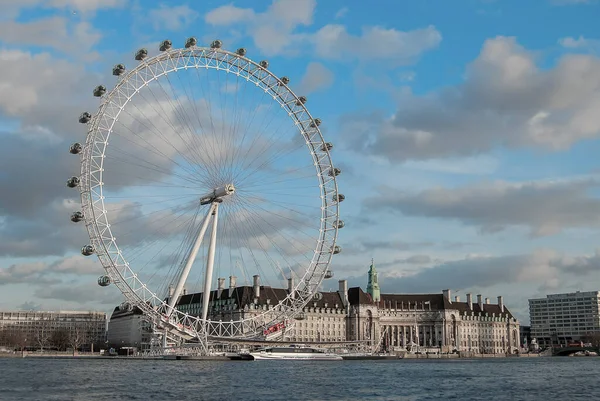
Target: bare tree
(42, 334)
(77, 336)
(59, 338)
(594, 338)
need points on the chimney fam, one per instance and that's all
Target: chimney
(501, 303)
(480, 302)
(343, 291)
(487, 301)
(256, 286)
(291, 287)
(470, 301)
(447, 295)
(171, 291)
(220, 286)
(184, 292)
(232, 283)
(456, 299)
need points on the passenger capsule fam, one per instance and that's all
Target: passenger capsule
(191, 42)
(104, 281)
(87, 250)
(118, 69)
(339, 198)
(99, 90)
(284, 81)
(76, 217)
(264, 64)
(334, 172)
(336, 249)
(300, 316)
(216, 44)
(317, 296)
(241, 51)
(73, 182)
(75, 148)
(301, 100)
(141, 54)
(315, 123)
(165, 45)
(327, 146)
(328, 274)
(85, 117)
(339, 224)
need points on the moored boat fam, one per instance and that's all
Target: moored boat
(294, 352)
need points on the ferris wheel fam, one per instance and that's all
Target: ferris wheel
(201, 164)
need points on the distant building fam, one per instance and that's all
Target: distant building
(525, 336)
(128, 328)
(35, 329)
(560, 319)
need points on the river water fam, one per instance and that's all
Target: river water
(544, 379)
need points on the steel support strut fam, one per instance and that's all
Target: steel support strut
(191, 258)
(210, 263)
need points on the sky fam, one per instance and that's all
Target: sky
(467, 133)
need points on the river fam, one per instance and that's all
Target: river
(540, 379)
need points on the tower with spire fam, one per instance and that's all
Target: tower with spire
(373, 286)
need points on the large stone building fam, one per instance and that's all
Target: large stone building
(391, 322)
(128, 328)
(564, 318)
(35, 329)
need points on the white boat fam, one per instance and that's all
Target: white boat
(294, 352)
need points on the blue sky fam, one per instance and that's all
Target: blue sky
(467, 133)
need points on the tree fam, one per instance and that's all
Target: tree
(594, 338)
(77, 337)
(59, 338)
(42, 334)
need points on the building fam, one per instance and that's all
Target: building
(60, 329)
(128, 328)
(413, 321)
(391, 322)
(525, 336)
(560, 319)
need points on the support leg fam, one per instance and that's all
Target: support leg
(191, 259)
(210, 262)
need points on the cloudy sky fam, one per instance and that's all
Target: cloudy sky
(467, 134)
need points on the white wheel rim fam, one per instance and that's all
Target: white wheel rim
(92, 187)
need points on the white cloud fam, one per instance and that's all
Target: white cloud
(341, 13)
(53, 32)
(12, 8)
(172, 18)
(581, 42)
(375, 43)
(86, 5)
(31, 80)
(316, 77)
(474, 165)
(274, 31)
(48, 273)
(505, 100)
(546, 208)
(228, 15)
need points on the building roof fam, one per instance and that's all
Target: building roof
(408, 301)
(356, 296)
(245, 296)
